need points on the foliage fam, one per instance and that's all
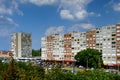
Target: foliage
(57, 74)
(11, 72)
(89, 57)
(100, 74)
(2, 66)
(23, 71)
(35, 72)
(36, 53)
(22, 65)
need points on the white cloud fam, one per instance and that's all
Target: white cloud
(68, 9)
(7, 21)
(76, 8)
(87, 26)
(7, 25)
(116, 7)
(78, 27)
(54, 30)
(94, 14)
(75, 27)
(9, 7)
(114, 4)
(81, 14)
(41, 2)
(98, 15)
(4, 32)
(65, 14)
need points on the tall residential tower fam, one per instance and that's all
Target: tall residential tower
(21, 45)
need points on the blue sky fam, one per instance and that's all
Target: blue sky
(45, 17)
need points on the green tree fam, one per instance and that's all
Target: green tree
(34, 72)
(11, 73)
(89, 58)
(22, 65)
(3, 66)
(57, 74)
(36, 52)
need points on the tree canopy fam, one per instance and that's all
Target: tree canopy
(89, 58)
(27, 71)
(36, 53)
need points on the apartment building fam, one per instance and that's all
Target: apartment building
(109, 44)
(91, 39)
(44, 48)
(67, 46)
(118, 44)
(21, 45)
(78, 42)
(105, 39)
(99, 39)
(59, 47)
(53, 47)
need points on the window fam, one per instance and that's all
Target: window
(118, 26)
(97, 32)
(93, 35)
(118, 30)
(113, 46)
(118, 50)
(113, 38)
(97, 44)
(104, 39)
(113, 42)
(113, 34)
(118, 38)
(108, 39)
(118, 34)
(108, 27)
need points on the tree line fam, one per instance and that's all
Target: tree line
(36, 52)
(22, 71)
(28, 71)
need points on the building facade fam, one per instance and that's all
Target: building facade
(105, 39)
(63, 47)
(109, 45)
(21, 45)
(118, 43)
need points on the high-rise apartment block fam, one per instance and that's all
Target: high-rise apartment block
(21, 45)
(118, 43)
(63, 47)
